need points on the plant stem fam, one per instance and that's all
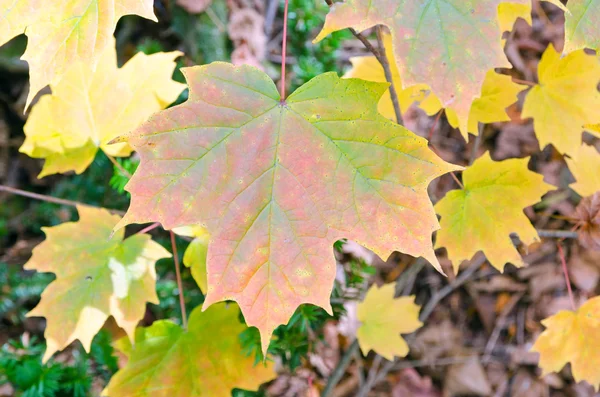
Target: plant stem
(561, 254)
(524, 82)
(179, 283)
(118, 165)
(562, 234)
(50, 199)
(435, 122)
(453, 175)
(340, 370)
(385, 63)
(148, 228)
(283, 50)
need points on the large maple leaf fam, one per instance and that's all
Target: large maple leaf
(450, 44)
(558, 121)
(383, 319)
(572, 337)
(276, 183)
(206, 360)
(81, 115)
(96, 276)
(60, 33)
(488, 210)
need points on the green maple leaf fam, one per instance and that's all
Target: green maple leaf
(276, 183)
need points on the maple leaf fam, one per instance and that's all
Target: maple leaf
(383, 319)
(435, 41)
(194, 256)
(585, 167)
(62, 33)
(558, 121)
(96, 276)
(508, 13)
(488, 210)
(67, 127)
(206, 360)
(572, 337)
(581, 25)
(276, 183)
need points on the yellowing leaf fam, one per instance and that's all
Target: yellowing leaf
(276, 183)
(204, 361)
(96, 276)
(63, 33)
(585, 167)
(572, 337)
(581, 25)
(195, 254)
(368, 68)
(481, 216)
(509, 12)
(383, 319)
(565, 100)
(497, 93)
(449, 44)
(88, 108)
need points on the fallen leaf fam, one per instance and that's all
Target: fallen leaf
(585, 167)
(204, 360)
(587, 218)
(581, 25)
(96, 276)
(383, 319)
(572, 337)
(558, 121)
(488, 210)
(63, 33)
(81, 115)
(272, 180)
(453, 36)
(467, 378)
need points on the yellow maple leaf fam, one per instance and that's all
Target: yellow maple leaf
(96, 276)
(206, 360)
(383, 319)
(368, 68)
(572, 337)
(89, 108)
(62, 33)
(565, 100)
(585, 167)
(194, 257)
(481, 216)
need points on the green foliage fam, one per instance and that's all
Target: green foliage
(19, 292)
(120, 179)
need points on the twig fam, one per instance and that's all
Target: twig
(524, 82)
(448, 289)
(214, 18)
(491, 343)
(561, 254)
(340, 370)
(371, 378)
(119, 166)
(385, 64)
(148, 228)
(435, 122)
(557, 233)
(453, 175)
(284, 49)
(50, 199)
(179, 283)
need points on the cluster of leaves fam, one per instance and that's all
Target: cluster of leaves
(265, 184)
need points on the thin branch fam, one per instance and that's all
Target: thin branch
(500, 324)
(453, 175)
(340, 370)
(149, 228)
(385, 64)
(435, 122)
(372, 377)
(557, 234)
(119, 166)
(50, 199)
(561, 254)
(179, 283)
(524, 82)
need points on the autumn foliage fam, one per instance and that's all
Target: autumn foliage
(262, 185)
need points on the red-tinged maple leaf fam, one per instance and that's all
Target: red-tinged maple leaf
(276, 183)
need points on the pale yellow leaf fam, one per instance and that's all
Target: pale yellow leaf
(383, 319)
(585, 167)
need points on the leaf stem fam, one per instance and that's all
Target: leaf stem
(179, 283)
(561, 254)
(385, 64)
(149, 228)
(453, 175)
(283, 50)
(50, 199)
